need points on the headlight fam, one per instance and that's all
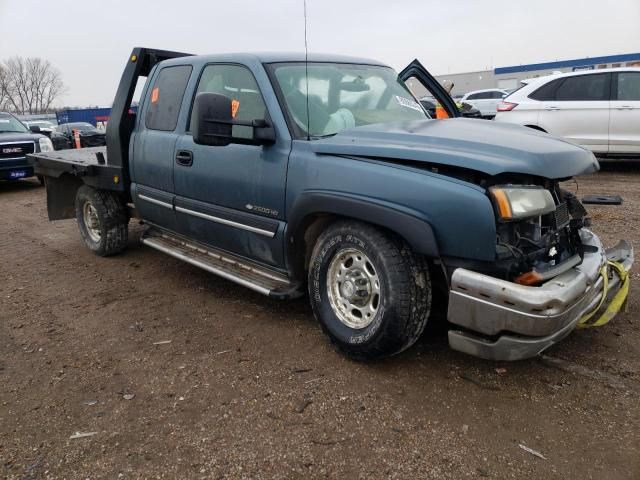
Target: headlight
(515, 203)
(46, 145)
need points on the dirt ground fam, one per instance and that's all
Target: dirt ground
(179, 374)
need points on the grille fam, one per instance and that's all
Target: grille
(15, 150)
(561, 216)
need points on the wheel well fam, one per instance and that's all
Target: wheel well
(309, 231)
(536, 127)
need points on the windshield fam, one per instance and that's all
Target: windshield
(10, 124)
(343, 96)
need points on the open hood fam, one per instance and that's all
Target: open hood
(483, 146)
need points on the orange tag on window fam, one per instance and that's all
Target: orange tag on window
(235, 105)
(155, 93)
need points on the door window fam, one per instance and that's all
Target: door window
(629, 86)
(166, 97)
(583, 87)
(239, 84)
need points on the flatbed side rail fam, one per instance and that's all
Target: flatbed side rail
(65, 171)
(140, 63)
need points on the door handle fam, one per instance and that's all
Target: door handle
(184, 158)
(553, 108)
(625, 107)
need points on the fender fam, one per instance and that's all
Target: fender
(416, 231)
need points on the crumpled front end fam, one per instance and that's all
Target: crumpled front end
(502, 320)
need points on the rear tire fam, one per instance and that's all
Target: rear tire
(370, 293)
(102, 220)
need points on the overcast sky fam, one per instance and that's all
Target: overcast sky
(89, 41)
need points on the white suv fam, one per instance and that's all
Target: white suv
(598, 109)
(485, 100)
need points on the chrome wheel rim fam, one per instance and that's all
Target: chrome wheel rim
(90, 216)
(354, 288)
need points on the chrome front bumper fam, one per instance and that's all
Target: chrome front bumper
(507, 321)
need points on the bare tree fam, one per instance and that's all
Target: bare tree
(29, 85)
(3, 94)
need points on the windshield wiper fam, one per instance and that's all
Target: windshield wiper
(11, 131)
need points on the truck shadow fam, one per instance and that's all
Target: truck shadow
(19, 185)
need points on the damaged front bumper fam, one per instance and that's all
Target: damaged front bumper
(502, 320)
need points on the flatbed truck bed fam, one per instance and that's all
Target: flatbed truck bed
(89, 163)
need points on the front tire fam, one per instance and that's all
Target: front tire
(102, 220)
(370, 293)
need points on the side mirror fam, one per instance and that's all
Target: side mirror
(34, 128)
(213, 122)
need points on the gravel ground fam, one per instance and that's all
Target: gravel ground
(179, 374)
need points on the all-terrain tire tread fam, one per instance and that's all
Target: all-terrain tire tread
(113, 220)
(410, 273)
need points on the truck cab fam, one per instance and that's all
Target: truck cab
(323, 175)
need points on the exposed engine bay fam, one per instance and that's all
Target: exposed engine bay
(536, 249)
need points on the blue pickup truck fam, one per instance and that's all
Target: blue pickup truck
(326, 176)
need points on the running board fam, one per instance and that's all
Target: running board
(223, 264)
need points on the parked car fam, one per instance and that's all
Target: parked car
(485, 100)
(16, 141)
(90, 136)
(597, 109)
(59, 140)
(351, 194)
(466, 109)
(44, 125)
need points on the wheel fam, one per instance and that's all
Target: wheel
(102, 220)
(370, 293)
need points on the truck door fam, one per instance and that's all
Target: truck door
(232, 197)
(420, 82)
(152, 187)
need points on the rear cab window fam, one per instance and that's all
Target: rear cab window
(165, 97)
